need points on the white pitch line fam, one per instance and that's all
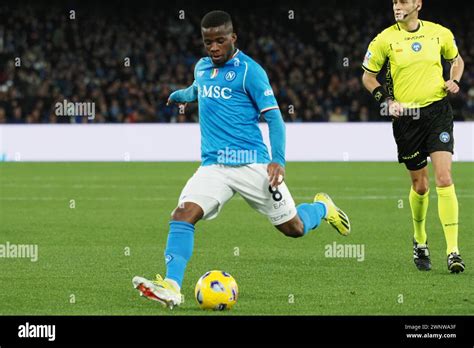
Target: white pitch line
(83, 186)
(375, 197)
(85, 199)
(54, 179)
(301, 198)
(158, 187)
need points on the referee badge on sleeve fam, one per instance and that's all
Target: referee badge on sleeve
(367, 57)
(444, 137)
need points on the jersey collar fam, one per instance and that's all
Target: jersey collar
(420, 24)
(237, 51)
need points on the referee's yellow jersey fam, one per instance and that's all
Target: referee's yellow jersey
(415, 73)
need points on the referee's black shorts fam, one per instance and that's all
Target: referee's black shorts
(418, 136)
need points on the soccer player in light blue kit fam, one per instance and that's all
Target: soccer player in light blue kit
(232, 91)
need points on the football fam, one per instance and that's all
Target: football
(216, 290)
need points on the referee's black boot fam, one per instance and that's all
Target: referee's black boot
(421, 256)
(455, 263)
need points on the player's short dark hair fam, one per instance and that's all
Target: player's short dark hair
(216, 19)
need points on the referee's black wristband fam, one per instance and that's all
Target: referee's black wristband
(380, 94)
(457, 82)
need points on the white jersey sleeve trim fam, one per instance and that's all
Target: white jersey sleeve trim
(268, 109)
(245, 76)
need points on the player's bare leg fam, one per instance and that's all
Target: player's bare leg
(447, 207)
(420, 180)
(188, 212)
(293, 228)
(310, 216)
(442, 163)
(419, 199)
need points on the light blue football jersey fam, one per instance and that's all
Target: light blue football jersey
(231, 98)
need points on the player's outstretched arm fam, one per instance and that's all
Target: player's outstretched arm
(182, 96)
(276, 126)
(258, 87)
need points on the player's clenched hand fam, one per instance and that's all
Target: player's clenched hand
(276, 173)
(395, 108)
(451, 86)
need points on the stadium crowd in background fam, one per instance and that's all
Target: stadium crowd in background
(313, 61)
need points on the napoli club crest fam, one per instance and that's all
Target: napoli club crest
(230, 76)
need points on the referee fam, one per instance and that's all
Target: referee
(422, 117)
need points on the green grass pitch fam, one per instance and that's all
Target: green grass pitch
(116, 227)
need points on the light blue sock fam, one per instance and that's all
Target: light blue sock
(311, 214)
(179, 249)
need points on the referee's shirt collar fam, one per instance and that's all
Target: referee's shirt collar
(420, 24)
